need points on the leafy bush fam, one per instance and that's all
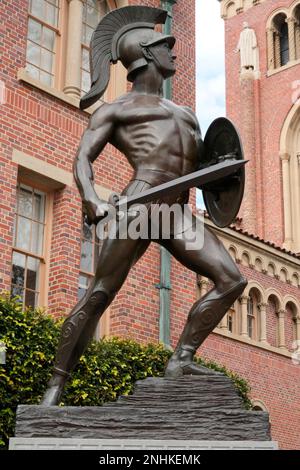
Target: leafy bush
(108, 369)
(241, 385)
(30, 339)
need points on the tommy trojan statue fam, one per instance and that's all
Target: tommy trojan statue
(162, 142)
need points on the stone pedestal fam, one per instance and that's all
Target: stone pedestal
(189, 409)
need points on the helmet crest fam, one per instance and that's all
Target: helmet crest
(108, 44)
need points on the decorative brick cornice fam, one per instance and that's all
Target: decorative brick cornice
(266, 245)
(230, 8)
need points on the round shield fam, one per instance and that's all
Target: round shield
(223, 197)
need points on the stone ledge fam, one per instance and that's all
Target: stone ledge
(251, 342)
(56, 178)
(16, 443)
(23, 76)
(287, 66)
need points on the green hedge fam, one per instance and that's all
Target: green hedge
(108, 369)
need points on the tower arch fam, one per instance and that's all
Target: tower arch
(290, 158)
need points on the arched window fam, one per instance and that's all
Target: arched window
(228, 9)
(258, 405)
(257, 408)
(290, 161)
(253, 314)
(281, 40)
(296, 29)
(250, 316)
(232, 319)
(284, 44)
(278, 42)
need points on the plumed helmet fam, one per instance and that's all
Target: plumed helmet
(130, 48)
(121, 35)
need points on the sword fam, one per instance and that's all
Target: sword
(196, 179)
(178, 185)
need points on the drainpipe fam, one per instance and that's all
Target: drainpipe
(165, 258)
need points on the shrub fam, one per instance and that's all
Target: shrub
(30, 339)
(241, 385)
(109, 368)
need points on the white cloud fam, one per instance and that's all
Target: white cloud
(210, 100)
(210, 58)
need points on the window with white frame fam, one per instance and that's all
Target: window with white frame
(230, 320)
(28, 258)
(250, 317)
(93, 11)
(296, 31)
(283, 33)
(43, 31)
(253, 314)
(50, 60)
(90, 250)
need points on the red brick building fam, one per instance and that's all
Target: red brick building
(262, 39)
(47, 256)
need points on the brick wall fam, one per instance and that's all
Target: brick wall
(271, 102)
(259, 109)
(273, 379)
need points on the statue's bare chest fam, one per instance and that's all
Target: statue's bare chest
(148, 109)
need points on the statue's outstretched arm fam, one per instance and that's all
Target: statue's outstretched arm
(93, 141)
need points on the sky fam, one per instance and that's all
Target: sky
(210, 67)
(210, 54)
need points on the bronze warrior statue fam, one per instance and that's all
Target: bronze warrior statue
(162, 142)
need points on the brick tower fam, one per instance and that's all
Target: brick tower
(262, 96)
(265, 107)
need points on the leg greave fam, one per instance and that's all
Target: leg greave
(78, 329)
(205, 316)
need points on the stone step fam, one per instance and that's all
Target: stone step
(186, 382)
(109, 423)
(201, 392)
(199, 404)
